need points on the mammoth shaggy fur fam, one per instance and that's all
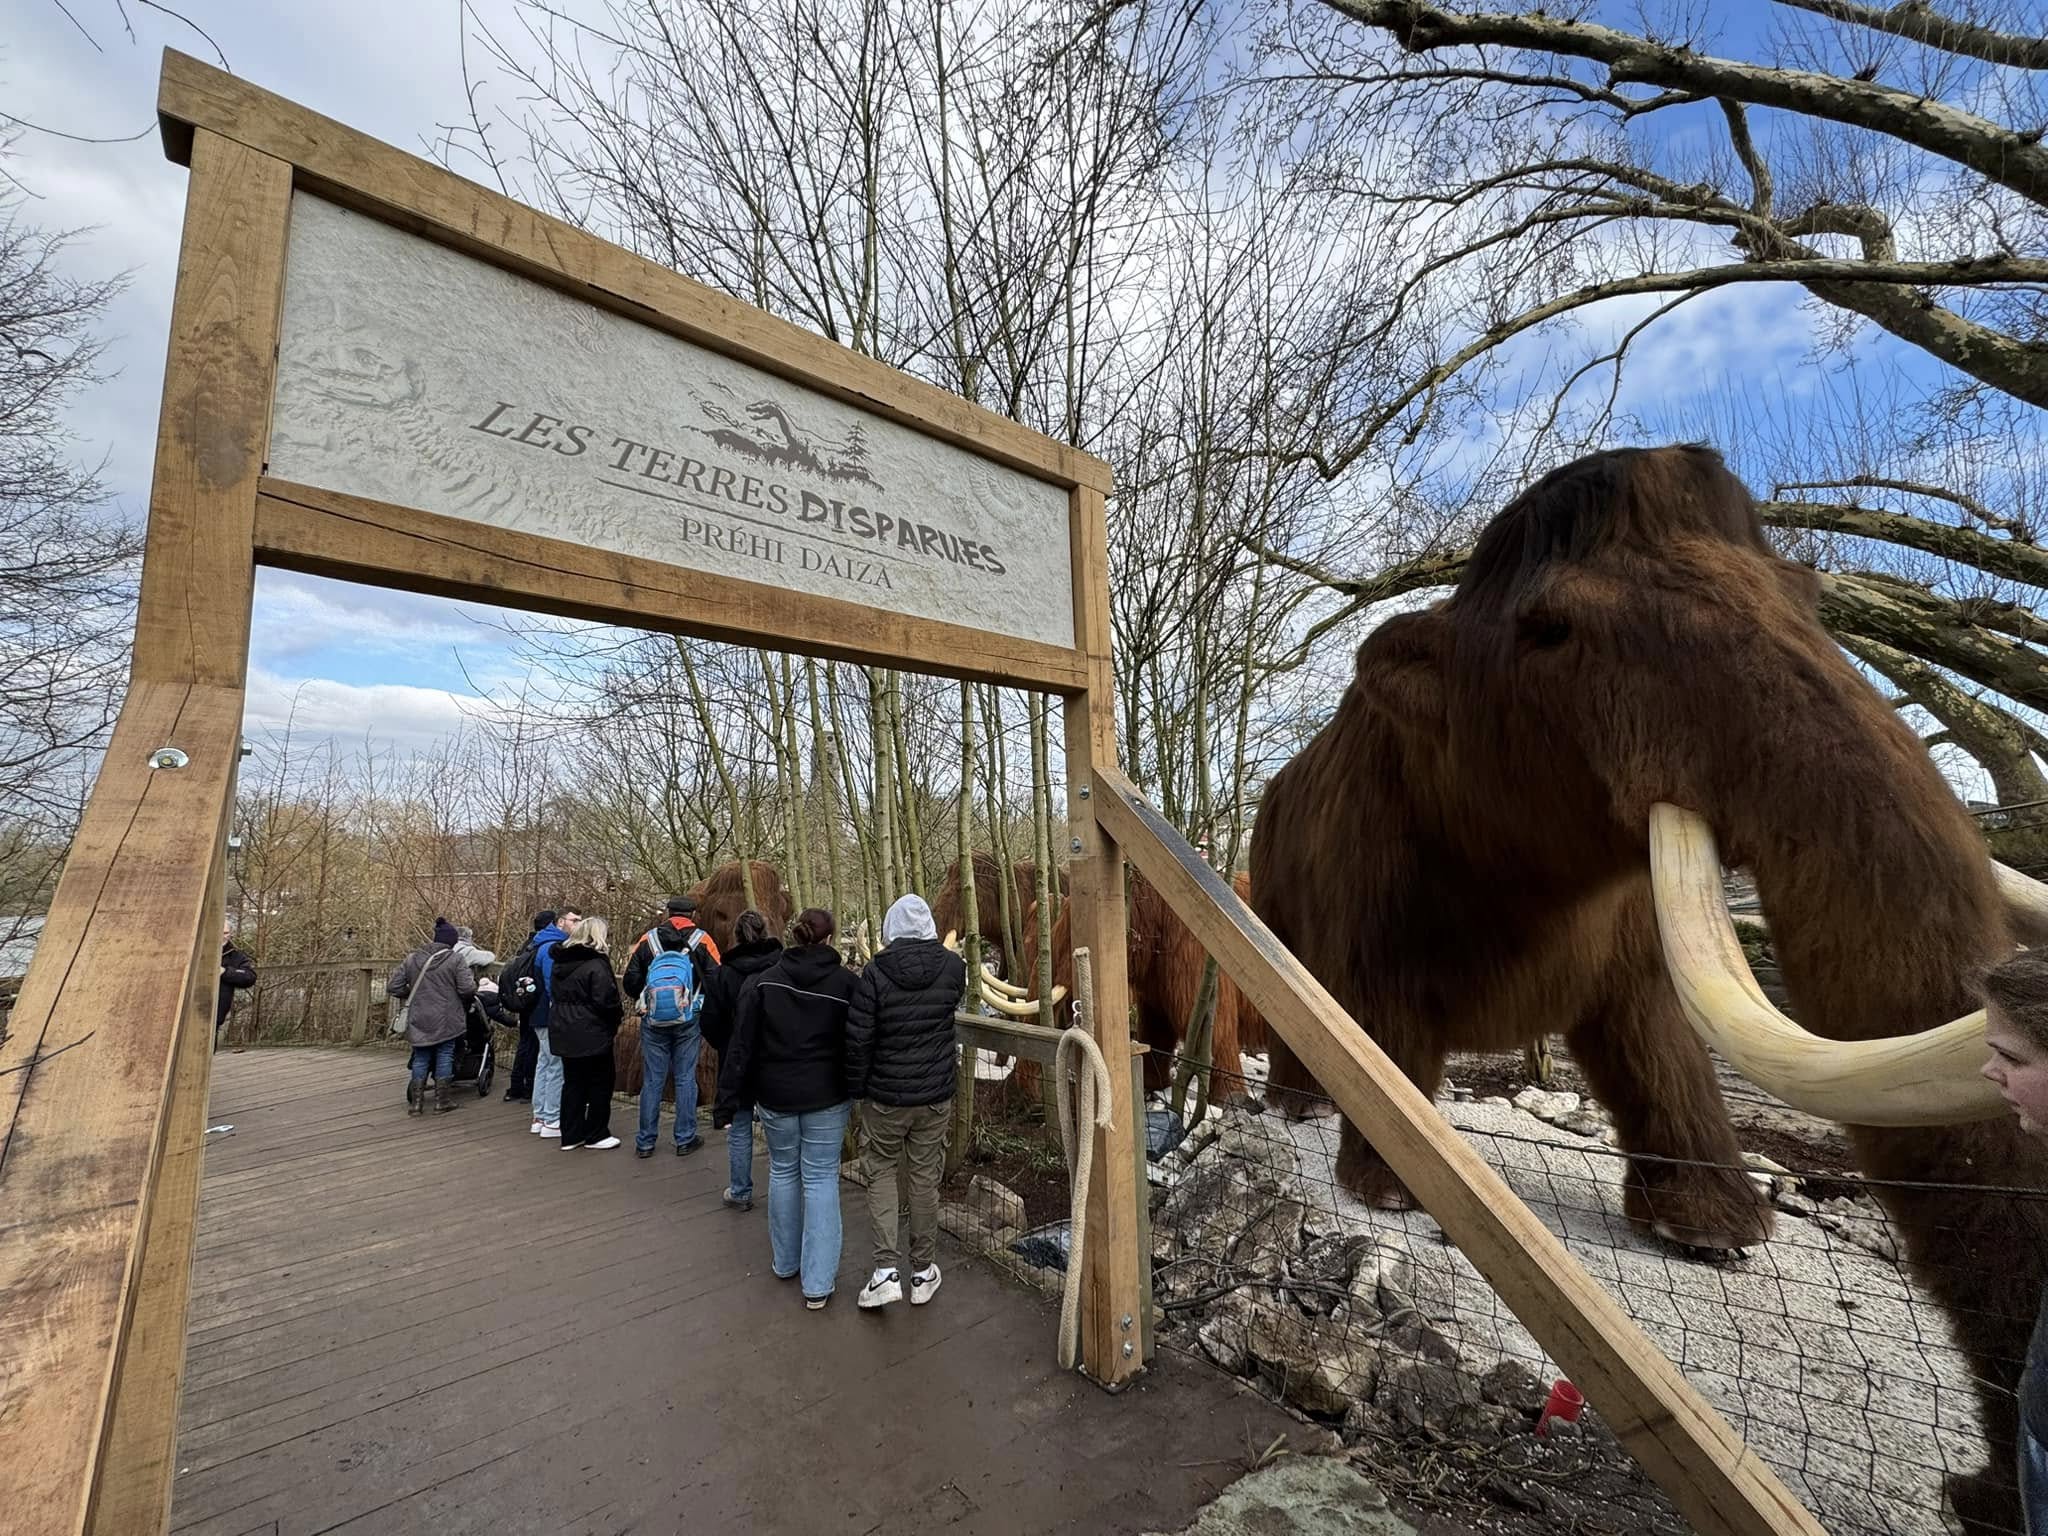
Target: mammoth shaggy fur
(720, 900)
(1461, 858)
(988, 913)
(1164, 963)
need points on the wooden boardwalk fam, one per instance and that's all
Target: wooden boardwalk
(446, 1325)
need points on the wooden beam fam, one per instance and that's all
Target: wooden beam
(139, 1469)
(1111, 1297)
(94, 1117)
(359, 172)
(1716, 1481)
(327, 533)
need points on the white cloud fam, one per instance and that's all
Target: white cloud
(397, 715)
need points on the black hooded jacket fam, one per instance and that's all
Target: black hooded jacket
(899, 1028)
(722, 991)
(788, 1046)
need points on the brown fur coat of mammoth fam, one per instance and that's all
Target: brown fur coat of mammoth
(1461, 858)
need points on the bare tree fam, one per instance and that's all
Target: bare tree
(67, 566)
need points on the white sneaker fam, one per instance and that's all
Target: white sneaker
(924, 1286)
(603, 1146)
(572, 1146)
(551, 1132)
(537, 1127)
(882, 1288)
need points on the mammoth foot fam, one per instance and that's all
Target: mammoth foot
(1985, 1501)
(1694, 1208)
(1300, 1106)
(1361, 1171)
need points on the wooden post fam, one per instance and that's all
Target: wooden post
(1146, 1345)
(1111, 1336)
(103, 1085)
(359, 1017)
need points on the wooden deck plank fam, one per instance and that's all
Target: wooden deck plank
(446, 1324)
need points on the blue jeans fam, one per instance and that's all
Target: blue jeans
(440, 1059)
(803, 1193)
(666, 1047)
(739, 1150)
(2033, 1482)
(547, 1083)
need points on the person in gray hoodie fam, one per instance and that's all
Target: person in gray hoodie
(435, 986)
(901, 1058)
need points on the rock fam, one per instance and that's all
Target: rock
(1224, 1334)
(1498, 1100)
(1044, 1248)
(1317, 1364)
(1425, 1394)
(1323, 1269)
(1420, 1342)
(1545, 1105)
(1301, 1495)
(1000, 1204)
(1461, 1095)
(1583, 1122)
(1512, 1384)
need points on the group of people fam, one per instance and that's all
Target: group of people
(801, 1040)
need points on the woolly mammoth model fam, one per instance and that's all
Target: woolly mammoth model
(1164, 962)
(1463, 856)
(988, 911)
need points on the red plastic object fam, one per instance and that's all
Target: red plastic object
(1565, 1402)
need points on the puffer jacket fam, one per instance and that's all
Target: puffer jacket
(899, 1027)
(788, 1047)
(583, 1002)
(437, 988)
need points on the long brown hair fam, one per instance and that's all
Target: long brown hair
(2018, 989)
(813, 925)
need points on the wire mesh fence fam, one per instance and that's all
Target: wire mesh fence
(1824, 1347)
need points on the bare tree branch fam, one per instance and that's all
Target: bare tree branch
(1920, 22)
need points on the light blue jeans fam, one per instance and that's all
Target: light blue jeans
(2033, 1483)
(803, 1193)
(739, 1153)
(547, 1083)
(664, 1047)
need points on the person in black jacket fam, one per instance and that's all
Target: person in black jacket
(753, 952)
(901, 1058)
(519, 1088)
(583, 1017)
(237, 970)
(788, 1058)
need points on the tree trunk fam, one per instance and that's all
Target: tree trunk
(961, 1136)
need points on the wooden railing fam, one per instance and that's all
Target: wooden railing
(324, 1002)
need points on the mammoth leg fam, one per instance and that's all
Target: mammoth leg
(1420, 1056)
(1654, 1077)
(1290, 1087)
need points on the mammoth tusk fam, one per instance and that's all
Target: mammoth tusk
(1930, 1078)
(1025, 1008)
(991, 982)
(2026, 903)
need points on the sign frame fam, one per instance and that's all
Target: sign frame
(103, 1077)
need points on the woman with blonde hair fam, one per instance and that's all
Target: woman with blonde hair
(583, 1018)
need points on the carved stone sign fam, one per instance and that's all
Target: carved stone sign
(412, 374)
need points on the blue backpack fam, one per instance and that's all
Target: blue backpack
(671, 995)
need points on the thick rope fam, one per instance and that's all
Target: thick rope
(1078, 1064)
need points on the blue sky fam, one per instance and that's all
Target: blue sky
(355, 658)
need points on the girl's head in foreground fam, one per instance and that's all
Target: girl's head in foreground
(2016, 1030)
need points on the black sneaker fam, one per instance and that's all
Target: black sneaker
(643, 1151)
(685, 1148)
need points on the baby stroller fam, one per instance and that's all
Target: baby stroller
(476, 1057)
